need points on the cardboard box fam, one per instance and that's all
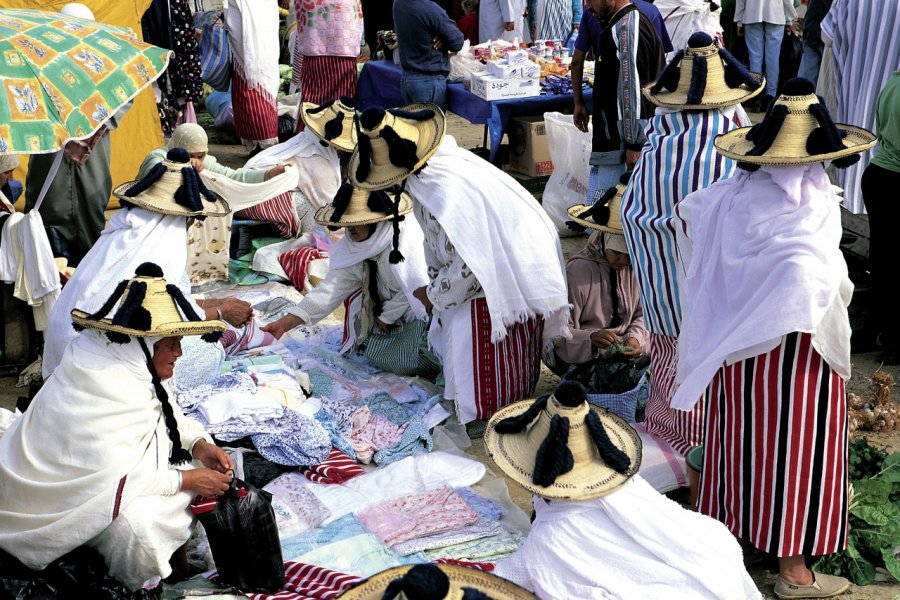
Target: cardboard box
(502, 70)
(528, 152)
(489, 87)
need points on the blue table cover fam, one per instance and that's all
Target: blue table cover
(379, 85)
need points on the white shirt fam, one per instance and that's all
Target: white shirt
(764, 11)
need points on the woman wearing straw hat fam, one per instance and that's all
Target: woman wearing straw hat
(153, 223)
(103, 456)
(698, 96)
(435, 582)
(600, 530)
(606, 317)
(375, 267)
(495, 265)
(765, 337)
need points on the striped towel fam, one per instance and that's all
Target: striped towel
(306, 582)
(481, 566)
(296, 265)
(337, 468)
(245, 338)
(278, 210)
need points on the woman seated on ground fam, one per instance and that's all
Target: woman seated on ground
(606, 320)
(377, 280)
(103, 456)
(193, 138)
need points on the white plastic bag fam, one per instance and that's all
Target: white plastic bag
(570, 151)
(463, 64)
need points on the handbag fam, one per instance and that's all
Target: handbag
(215, 53)
(243, 537)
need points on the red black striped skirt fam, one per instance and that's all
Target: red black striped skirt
(325, 78)
(775, 454)
(255, 109)
(682, 430)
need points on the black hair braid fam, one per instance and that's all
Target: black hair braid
(698, 80)
(152, 176)
(377, 304)
(616, 320)
(518, 423)
(668, 79)
(396, 257)
(617, 460)
(179, 455)
(553, 457)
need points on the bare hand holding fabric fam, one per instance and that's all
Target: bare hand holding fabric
(603, 339)
(205, 482)
(422, 296)
(283, 325)
(212, 457)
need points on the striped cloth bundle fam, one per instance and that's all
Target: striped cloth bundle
(337, 468)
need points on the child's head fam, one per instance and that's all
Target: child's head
(470, 6)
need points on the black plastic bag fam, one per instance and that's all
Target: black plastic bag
(607, 377)
(243, 538)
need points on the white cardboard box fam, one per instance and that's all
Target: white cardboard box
(489, 87)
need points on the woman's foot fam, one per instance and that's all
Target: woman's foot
(820, 586)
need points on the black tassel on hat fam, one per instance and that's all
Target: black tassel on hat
(518, 423)
(572, 393)
(176, 155)
(340, 203)
(599, 212)
(698, 80)
(553, 457)
(736, 74)
(401, 152)
(763, 134)
(364, 147)
(670, 76)
(190, 314)
(414, 115)
(422, 582)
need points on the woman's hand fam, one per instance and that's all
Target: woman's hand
(212, 457)
(237, 312)
(205, 482)
(421, 295)
(382, 326)
(632, 348)
(603, 339)
(283, 325)
(275, 171)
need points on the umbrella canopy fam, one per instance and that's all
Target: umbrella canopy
(63, 77)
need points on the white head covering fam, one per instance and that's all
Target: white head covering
(615, 241)
(191, 137)
(8, 162)
(78, 10)
(132, 237)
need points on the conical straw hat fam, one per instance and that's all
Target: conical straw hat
(613, 209)
(332, 122)
(496, 588)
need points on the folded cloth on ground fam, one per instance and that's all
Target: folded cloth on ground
(242, 406)
(362, 555)
(244, 338)
(296, 508)
(372, 432)
(415, 439)
(481, 529)
(486, 509)
(230, 382)
(408, 517)
(339, 529)
(489, 549)
(337, 468)
(338, 437)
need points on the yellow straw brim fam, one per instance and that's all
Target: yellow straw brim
(158, 330)
(345, 142)
(495, 587)
(735, 144)
(577, 209)
(324, 214)
(718, 97)
(514, 454)
(431, 133)
(167, 206)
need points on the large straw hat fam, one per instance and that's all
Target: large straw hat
(332, 122)
(604, 214)
(395, 143)
(147, 307)
(357, 206)
(797, 130)
(703, 76)
(429, 581)
(173, 187)
(563, 448)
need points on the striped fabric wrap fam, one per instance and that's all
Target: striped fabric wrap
(307, 582)
(678, 158)
(337, 468)
(279, 210)
(775, 457)
(682, 430)
(507, 371)
(296, 265)
(326, 78)
(403, 350)
(255, 110)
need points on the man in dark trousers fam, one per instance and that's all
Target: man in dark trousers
(425, 37)
(628, 55)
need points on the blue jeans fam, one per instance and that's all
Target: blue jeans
(810, 61)
(418, 87)
(764, 46)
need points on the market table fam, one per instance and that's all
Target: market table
(379, 85)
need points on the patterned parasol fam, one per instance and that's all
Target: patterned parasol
(63, 77)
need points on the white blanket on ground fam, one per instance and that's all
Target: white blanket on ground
(87, 446)
(763, 260)
(633, 543)
(132, 237)
(502, 234)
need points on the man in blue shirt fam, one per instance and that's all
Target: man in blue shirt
(425, 36)
(628, 55)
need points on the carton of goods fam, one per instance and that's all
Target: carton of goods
(489, 87)
(502, 69)
(517, 57)
(528, 151)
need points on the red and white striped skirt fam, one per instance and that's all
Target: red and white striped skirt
(775, 454)
(325, 78)
(482, 377)
(682, 430)
(255, 109)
